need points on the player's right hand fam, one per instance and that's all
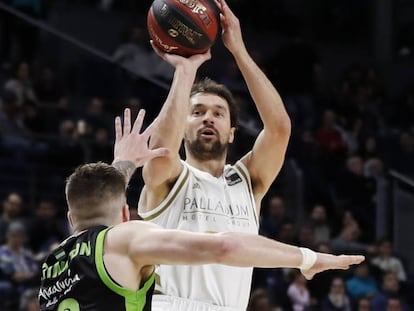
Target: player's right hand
(191, 62)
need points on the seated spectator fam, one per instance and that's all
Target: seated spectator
(356, 193)
(347, 242)
(306, 236)
(274, 215)
(337, 299)
(362, 284)
(11, 211)
(318, 218)
(13, 133)
(17, 263)
(45, 229)
(390, 288)
(259, 301)
(394, 304)
(29, 300)
(21, 84)
(387, 262)
(298, 292)
(364, 304)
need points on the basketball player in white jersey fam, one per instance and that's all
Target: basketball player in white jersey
(202, 193)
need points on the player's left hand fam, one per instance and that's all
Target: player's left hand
(130, 144)
(331, 262)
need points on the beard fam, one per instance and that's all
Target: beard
(206, 151)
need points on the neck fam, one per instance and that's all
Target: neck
(214, 167)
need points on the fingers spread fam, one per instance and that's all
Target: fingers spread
(127, 121)
(138, 121)
(118, 129)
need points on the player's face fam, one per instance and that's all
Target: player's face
(209, 130)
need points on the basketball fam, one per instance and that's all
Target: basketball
(183, 27)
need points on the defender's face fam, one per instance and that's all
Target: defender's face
(209, 128)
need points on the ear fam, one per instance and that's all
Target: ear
(125, 213)
(69, 216)
(231, 135)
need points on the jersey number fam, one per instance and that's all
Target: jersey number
(69, 304)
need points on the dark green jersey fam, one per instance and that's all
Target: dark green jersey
(74, 278)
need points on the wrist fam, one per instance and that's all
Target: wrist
(309, 258)
(125, 166)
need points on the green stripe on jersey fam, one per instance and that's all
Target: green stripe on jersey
(134, 300)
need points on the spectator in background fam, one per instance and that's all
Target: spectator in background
(307, 236)
(356, 193)
(259, 301)
(67, 151)
(136, 55)
(96, 116)
(390, 288)
(348, 241)
(29, 300)
(364, 304)
(394, 304)
(337, 299)
(21, 85)
(13, 133)
(47, 88)
(332, 145)
(298, 291)
(361, 284)
(17, 263)
(387, 262)
(11, 211)
(271, 222)
(45, 229)
(101, 147)
(287, 232)
(321, 227)
(52, 104)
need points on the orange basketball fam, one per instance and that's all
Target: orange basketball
(184, 27)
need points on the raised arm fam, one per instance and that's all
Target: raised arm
(159, 174)
(149, 244)
(265, 160)
(131, 146)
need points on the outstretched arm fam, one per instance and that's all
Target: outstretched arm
(266, 158)
(149, 244)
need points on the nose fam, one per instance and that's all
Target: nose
(208, 118)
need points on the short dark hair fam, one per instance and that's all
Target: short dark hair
(92, 186)
(210, 86)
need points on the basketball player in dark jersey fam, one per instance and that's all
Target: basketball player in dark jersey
(108, 262)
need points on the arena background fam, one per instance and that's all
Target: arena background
(345, 70)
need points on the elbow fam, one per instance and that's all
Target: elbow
(280, 127)
(228, 248)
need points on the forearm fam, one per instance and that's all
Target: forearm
(171, 119)
(268, 101)
(253, 250)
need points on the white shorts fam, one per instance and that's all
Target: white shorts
(171, 303)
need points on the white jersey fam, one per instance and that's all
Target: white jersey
(200, 202)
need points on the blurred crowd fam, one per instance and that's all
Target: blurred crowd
(347, 133)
